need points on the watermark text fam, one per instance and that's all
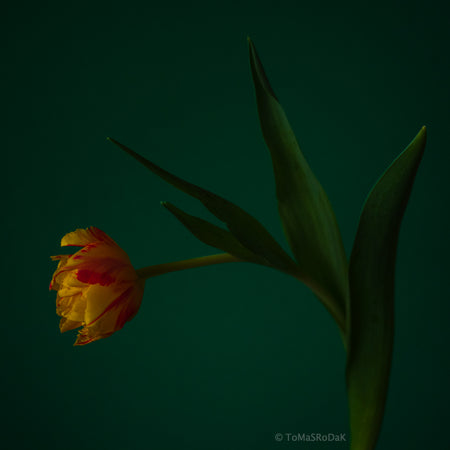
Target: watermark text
(310, 437)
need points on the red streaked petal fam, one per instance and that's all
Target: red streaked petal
(91, 277)
(101, 264)
(62, 263)
(130, 309)
(96, 311)
(87, 335)
(100, 250)
(116, 314)
(59, 277)
(84, 338)
(100, 257)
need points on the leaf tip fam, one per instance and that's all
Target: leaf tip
(258, 72)
(110, 139)
(171, 208)
(421, 137)
(251, 47)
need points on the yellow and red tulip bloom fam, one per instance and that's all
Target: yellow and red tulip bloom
(97, 287)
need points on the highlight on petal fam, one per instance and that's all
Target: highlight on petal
(97, 287)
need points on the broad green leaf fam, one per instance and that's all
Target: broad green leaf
(245, 228)
(371, 275)
(308, 220)
(214, 236)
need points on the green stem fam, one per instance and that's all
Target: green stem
(329, 302)
(160, 269)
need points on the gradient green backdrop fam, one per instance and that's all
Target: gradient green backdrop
(222, 357)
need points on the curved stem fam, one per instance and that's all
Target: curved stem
(327, 300)
(160, 269)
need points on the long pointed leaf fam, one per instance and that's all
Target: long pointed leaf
(247, 230)
(214, 236)
(371, 275)
(308, 220)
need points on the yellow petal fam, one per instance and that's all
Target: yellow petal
(72, 307)
(82, 237)
(99, 250)
(122, 309)
(67, 324)
(62, 262)
(61, 258)
(104, 302)
(85, 337)
(69, 291)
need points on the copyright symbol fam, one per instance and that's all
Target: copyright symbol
(278, 437)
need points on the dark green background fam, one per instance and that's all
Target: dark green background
(222, 357)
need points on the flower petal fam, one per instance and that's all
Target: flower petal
(105, 303)
(67, 324)
(62, 262)
(100, 250)
(65, 276)
(61, 258)
(132, 306)
(82, 237)
(109, 316)
(85, 337)
(105, 271)
(98, 263)
(72, 307)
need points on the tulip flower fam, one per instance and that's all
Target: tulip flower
(97, 287)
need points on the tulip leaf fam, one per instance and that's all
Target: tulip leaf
(245, 228)
(371, 275)
(214, 236)
(307, 217)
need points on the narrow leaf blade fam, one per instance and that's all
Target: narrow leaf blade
(247, 230)
(306, 214)
(371, 275)
(213, 235)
